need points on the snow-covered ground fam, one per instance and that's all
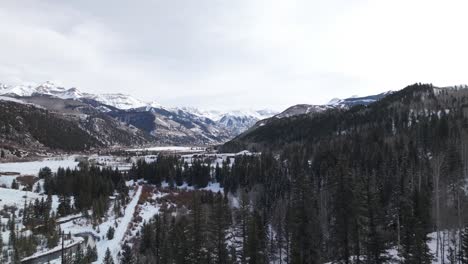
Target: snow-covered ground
(67, 244)
(33, 167)
(12, 197)
(212, 186)
(394, 258)
(115, 162)
(7, 180)
(114, 245)
(171, 148)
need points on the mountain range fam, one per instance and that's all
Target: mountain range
(306, 124)
(167, 125)
(103, 116)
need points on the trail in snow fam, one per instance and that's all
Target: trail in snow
(114, 244)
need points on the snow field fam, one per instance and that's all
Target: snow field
(33, 167)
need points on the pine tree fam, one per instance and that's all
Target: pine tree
(44, 173)
(305, 236)
(451, 254)
(219, 224)
(38, 188)
(256, 240)
(14, 184)
(196, 231)
(1, 245)
(108, 258)
(181, 241)
(464, 246)
(242, 216)
(127, 255)
(2, 154)
(110, 233)
(91, 254)
(64, 207)
(12, 229)
(79, 257)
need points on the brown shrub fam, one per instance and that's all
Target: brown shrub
(27, 180)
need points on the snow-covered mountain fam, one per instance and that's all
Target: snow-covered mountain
(233, 121)
(121, 101)
(301, 109)
(167, 124)
(240, 121)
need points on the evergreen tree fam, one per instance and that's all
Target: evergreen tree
(464, 246)
(14, 184)
(256, 240)
(242, 218)
(305, 236)
(219, 225)
(108, 258)
(91, 254)
(110, 233)
(127, 255)
(44, 173)
(64, 207)
(196, 231)
(79, 257)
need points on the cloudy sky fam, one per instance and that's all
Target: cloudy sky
(229, 54)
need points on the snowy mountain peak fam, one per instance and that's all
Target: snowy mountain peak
(234, 122)
(118, 100)
(334, 101)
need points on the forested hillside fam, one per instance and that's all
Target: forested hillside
(384, 183)
(70, 126)
(361, 181)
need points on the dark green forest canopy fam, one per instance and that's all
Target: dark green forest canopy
(363, 180)
(412, 111)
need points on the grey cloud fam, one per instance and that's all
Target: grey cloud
(219, 54)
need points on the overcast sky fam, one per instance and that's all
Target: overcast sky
(234, 53)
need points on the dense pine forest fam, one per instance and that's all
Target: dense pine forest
(371, 184)
(345, 186)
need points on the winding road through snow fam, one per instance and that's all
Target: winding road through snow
(114, 245)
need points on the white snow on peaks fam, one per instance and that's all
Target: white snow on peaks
(121, 101)
(19, 90)
(125, 102)
(334, 101)
(217, 115)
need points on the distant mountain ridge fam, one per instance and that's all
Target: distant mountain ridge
(301, 109)
(393, 111)
(164, 125)
(38, 123)
(167, 125)
(118, 100)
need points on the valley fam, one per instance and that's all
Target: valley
(334, 182)
(233, 132)
(143, 201)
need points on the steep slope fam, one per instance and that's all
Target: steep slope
(301, 109)
(49, 122)
(168, 125)
(121, 101)
(173, 127)
(395, 111)
(313, 110)
(233, 122)
(30, 127)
